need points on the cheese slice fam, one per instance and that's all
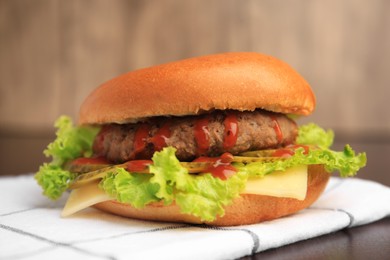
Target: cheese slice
(291, 183)
(84, 197)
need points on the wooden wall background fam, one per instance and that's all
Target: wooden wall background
(53, 53)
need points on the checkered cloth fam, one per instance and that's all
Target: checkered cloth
(31, 226)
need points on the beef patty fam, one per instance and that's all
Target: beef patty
(205, 135)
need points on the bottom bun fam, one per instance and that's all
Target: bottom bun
(246, 209)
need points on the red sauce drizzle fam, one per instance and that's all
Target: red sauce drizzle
(290, 151)
(201, 133)
(159, 139)
(138, 165)
(278, 131)
(140, 137)
(285, 152)
(231, 131)
(221, 166)
(93, 160)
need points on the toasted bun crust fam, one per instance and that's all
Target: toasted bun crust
(239, 81)
(247, 209)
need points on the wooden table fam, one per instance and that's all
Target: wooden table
(370, 241)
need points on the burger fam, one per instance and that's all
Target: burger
(206, 140)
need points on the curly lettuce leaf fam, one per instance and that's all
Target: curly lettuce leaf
(206, 196)
(312, 134)
(200, 195)
(203, 195)
(346, 162)
(168, 174)
(71, 142)
(135, 189)
(53, 180)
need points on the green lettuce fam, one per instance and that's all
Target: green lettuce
(312, 134)
(71, 142)
(53, 180)
(135, 189)
(346, 162)
(200, 195)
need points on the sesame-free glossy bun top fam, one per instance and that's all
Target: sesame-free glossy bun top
(239, 81)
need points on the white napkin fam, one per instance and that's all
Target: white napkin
(31, 226)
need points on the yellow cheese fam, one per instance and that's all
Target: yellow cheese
(84, 197)
(291, 184)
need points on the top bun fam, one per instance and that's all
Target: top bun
(239, 81)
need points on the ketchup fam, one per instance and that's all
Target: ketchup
(231, 131)
(221, 166)
(290, 151)
(140, 137)
(159, 138)
(138, 165)
(93, 160)
(285, 152)
(277, 129)
(201, 133)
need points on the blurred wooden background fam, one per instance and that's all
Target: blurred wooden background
(53, 53)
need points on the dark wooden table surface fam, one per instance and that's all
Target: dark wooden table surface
(370, 241)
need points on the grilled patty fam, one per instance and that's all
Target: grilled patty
(193, 136)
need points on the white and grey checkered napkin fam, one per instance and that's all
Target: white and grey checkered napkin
(31, 226)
